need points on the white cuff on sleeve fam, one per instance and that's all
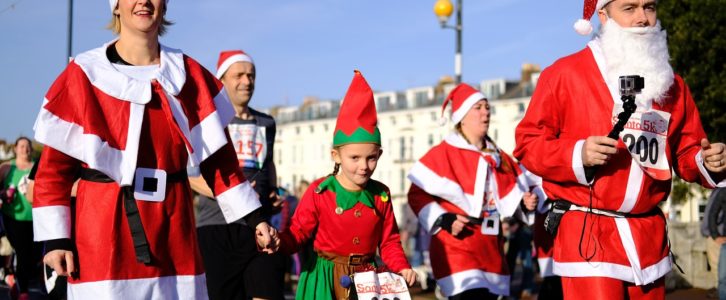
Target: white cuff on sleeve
(577, 165)
(704, 172)
(238, 201)
(51, 222)
(428, 215)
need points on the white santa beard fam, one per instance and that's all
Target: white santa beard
(638, 51)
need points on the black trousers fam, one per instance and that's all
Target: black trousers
(27, 252)
(235, 269)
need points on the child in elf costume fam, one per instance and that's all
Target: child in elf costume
(350, 214)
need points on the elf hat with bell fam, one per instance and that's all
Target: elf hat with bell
(462, 98)
(584, 26)
(357, 120)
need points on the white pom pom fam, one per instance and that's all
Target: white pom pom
(583, 27)
(443, 121)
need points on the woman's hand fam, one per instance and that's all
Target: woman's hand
(530, 201)
(409, 275)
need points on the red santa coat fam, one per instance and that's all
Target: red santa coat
(456, 177)
(571, 102)
(96, 117)
(358, 230)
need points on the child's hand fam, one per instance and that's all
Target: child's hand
(409, 275)
(267, 238)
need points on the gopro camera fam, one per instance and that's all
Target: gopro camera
(631, 85)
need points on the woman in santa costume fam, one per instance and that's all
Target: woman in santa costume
(464, 186)
(128, 118)
(350, 214)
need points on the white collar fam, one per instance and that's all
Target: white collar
(171, 74)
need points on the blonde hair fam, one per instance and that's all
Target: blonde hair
(115, 24)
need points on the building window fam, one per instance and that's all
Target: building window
(421, 98)
(431, 140)
(402, 140)
(403, 180)
(521, 107)
(384, 103)
(410, 118)
(312, 128)
(297, 129)
(492, 110)
(325, 127)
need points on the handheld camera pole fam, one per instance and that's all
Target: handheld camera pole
(629, 87)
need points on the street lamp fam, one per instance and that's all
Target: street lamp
(443, 10)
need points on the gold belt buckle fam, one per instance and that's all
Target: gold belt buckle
(355, 259)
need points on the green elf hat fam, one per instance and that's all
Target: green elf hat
(357, 119)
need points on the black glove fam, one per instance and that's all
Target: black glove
(445, 221)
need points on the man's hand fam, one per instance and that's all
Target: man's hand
(409, 275)
(597, 150)
(267, 238)
(61, 261)
(530, 201)
(714, 158)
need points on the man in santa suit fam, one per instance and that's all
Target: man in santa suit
(128, 118)
(612, 242)
(461, 189)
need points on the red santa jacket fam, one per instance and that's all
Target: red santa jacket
(96, 117)
(358, 230)
(571, 102)
(456, 177)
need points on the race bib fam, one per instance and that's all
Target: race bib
(250, 143)
(645, 136)
(386, 285)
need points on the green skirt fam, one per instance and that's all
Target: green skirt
(316, 280)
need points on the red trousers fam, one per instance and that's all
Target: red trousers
(596, 288)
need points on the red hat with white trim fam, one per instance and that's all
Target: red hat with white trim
(462, 98)
(227, 58)
(584, 26)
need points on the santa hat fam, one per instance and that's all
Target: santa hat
(113, 4)
(357, 120)
(583, 26)
(227, 58)
(462, 98)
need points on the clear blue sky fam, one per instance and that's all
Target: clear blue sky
(301, 48)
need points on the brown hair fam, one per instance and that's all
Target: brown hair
(115, 24)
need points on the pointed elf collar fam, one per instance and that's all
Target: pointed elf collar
(346, 199)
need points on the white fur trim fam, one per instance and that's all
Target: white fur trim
(545, 266)
(626, 237)
(209, 135)
(577, 165)
(51, 222)
(238, 201)
(231, 60)
(101, 73)
(459, 114)
(509, 204)
(611, 270)
(632, 190)
(704, 172)
(428, 215)
(442, 187)
(583, 27)
(70, 139)
(473, 279)
(168, 287)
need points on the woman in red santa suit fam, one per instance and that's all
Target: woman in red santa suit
(461, 189)
(128, 118)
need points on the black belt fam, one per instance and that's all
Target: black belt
(560, 207)
(141, 244)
